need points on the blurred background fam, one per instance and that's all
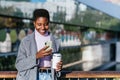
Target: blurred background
(88, 30)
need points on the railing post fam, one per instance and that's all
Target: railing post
(112, 51)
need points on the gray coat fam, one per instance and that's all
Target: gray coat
(26, 62)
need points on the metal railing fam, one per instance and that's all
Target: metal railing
(72, 74)
(8, 74)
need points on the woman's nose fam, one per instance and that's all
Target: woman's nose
(42, 27)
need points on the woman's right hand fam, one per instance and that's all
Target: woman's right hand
(43, 52)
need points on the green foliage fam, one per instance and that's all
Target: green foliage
(18, 13)
(95, 19)
(91, 29)
(70, 54)
(13, 35)
(71, 28)
(11, 22)
(59, 16)
(112, 24)
(1, 22)
(2, 35)
(21, 34)
(7, 63)
(7, 10)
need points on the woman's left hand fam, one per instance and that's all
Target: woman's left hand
(59, 66)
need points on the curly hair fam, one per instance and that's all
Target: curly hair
(41, 13)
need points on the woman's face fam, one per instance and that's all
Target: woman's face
(41, 24)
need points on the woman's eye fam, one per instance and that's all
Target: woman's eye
(42, 24)
(39, 24)
(45, 24)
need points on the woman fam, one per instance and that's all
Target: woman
(34, 58)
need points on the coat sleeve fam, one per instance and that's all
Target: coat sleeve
(23, 60)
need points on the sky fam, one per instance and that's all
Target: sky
(114, 1)
(38, 0)
(104, 6)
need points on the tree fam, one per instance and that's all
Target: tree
(10, 22)
(59, 16)
(96, 19)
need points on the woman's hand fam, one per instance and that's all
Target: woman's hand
(43, 52)
(59, 66)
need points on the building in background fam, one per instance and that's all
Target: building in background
(66, 6)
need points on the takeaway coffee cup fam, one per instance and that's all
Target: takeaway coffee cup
(55, 59)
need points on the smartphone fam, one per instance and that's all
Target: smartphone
(48, 43)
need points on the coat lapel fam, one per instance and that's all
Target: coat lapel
(33, 47)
